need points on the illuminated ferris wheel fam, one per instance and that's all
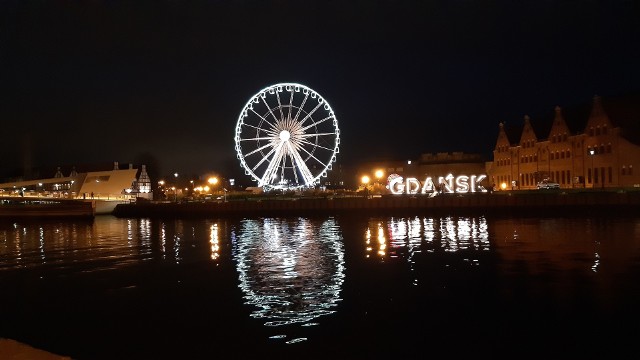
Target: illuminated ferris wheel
(287, 137)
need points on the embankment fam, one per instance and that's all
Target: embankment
(555, 203)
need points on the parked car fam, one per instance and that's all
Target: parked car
(545, 184)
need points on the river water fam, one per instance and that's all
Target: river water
(345, 286)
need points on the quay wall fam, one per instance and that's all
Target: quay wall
(551, 203)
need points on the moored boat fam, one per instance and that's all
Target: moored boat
(29, 207)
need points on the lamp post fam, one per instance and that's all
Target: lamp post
(175, 188)
(365, 182)
(592, 152)
(213, 181)
(379, 174)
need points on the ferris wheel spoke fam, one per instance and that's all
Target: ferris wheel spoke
(258, 138)
(259, 149)
(302, 166)
(279, 104)
(273, 164)
(316, 123)
(300, 108)
(268, 131)
(309, 114)
(264, 158)
(273, 127)
(290, 103)
(269, 107)
(313, 156)
(306, 142)
(304, 136)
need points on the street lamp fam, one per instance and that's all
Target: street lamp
(213, 181)
(365, 182)
(175, 188)
(592, 152)
(379, 174)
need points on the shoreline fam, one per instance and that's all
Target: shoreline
(556, 203)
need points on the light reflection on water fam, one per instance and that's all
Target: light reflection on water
(292, 279)
(402, 237)
(291, 270)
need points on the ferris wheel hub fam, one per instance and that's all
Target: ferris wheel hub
(285, 135)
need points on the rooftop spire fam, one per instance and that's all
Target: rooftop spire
(596, 109)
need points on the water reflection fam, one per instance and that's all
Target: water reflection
(412, 280)
(291, 270)
(404, 237)
(106, 243)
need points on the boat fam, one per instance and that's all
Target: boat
(31, 207)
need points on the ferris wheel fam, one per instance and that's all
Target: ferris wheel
(287, 137)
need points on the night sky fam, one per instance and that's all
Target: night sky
(128, 81)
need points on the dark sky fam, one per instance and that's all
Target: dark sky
(103, 81)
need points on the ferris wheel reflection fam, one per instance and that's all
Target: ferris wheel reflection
(291, 270)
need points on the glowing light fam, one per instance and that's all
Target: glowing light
(503, 185)
(298, 143)
(448, 184)
(365, 179)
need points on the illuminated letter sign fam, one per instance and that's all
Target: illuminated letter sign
(461, 184)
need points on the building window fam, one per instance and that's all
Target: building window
(624, 170)
(590, 131)
(598, 130)
(610, 174)
(604, 129)
(630, 169)
(601, 149)
(609, 148)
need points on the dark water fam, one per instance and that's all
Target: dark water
(352, 287)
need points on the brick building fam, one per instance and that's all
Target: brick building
(598, 148)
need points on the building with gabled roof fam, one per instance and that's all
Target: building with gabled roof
(604, 151)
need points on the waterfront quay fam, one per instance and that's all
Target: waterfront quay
(546, 202)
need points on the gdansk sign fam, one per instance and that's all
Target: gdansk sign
(446, 184)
